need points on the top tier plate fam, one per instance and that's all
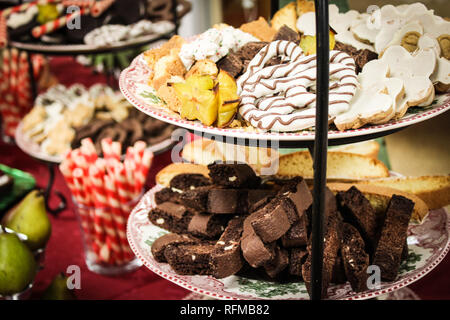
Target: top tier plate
(134, 85)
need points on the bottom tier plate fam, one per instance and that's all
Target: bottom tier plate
(428, 244)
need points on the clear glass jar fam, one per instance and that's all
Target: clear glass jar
(105, 243)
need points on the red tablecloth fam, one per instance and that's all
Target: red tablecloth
(65, 245)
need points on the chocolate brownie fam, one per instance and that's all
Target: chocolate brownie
(168, 195)
(357, 210)
(190, 259)
(354, 258)
(393, 236)
(361, 57)
(297, 257)
(239, 175)
(207, 226)
(255, 251)
(226, 258)
(248, 51)
(278, 264)
(232, 64)
(6, 183)
(171, 216)
(286, 33)
(273, 220)
(196, 198)
(160, 244)
(188, 181)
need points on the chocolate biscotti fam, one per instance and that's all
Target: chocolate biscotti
(233, 175)
(388, 254)
(171, 216)
(226, 258)
(354, 258)
(190, 259)
(160, 244)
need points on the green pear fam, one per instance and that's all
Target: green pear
(30, 218)
(17, 264)
(57, 290)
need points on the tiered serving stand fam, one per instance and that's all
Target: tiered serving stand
(75, 50)
(133, 78)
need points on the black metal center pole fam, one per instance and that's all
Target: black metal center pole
(320, 146)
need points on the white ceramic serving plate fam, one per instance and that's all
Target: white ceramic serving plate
(33, 149)
(134, 85)
(428, 243)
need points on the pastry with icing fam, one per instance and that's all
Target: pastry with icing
(281, 97)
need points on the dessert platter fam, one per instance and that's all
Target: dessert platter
(53, 26)
(170, 236)
(224, 231)
(51, 128)
(258, 81)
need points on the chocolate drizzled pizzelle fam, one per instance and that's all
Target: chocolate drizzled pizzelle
(222, 227)
(281, 97)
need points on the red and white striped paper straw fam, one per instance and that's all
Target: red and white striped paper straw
(78, 3)
(51, 26)
(118, 217)
(100, 7)
(3, 31)
(25, 6)
(103, 222)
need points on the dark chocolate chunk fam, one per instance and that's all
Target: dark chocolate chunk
(226, 258)
(361, 57)
(393, 236)
(248, 51)
(354, 258)
(232, 64)
(286, 33)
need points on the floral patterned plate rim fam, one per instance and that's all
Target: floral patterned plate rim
(134, 85)
(33, 149)
(429, 243)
